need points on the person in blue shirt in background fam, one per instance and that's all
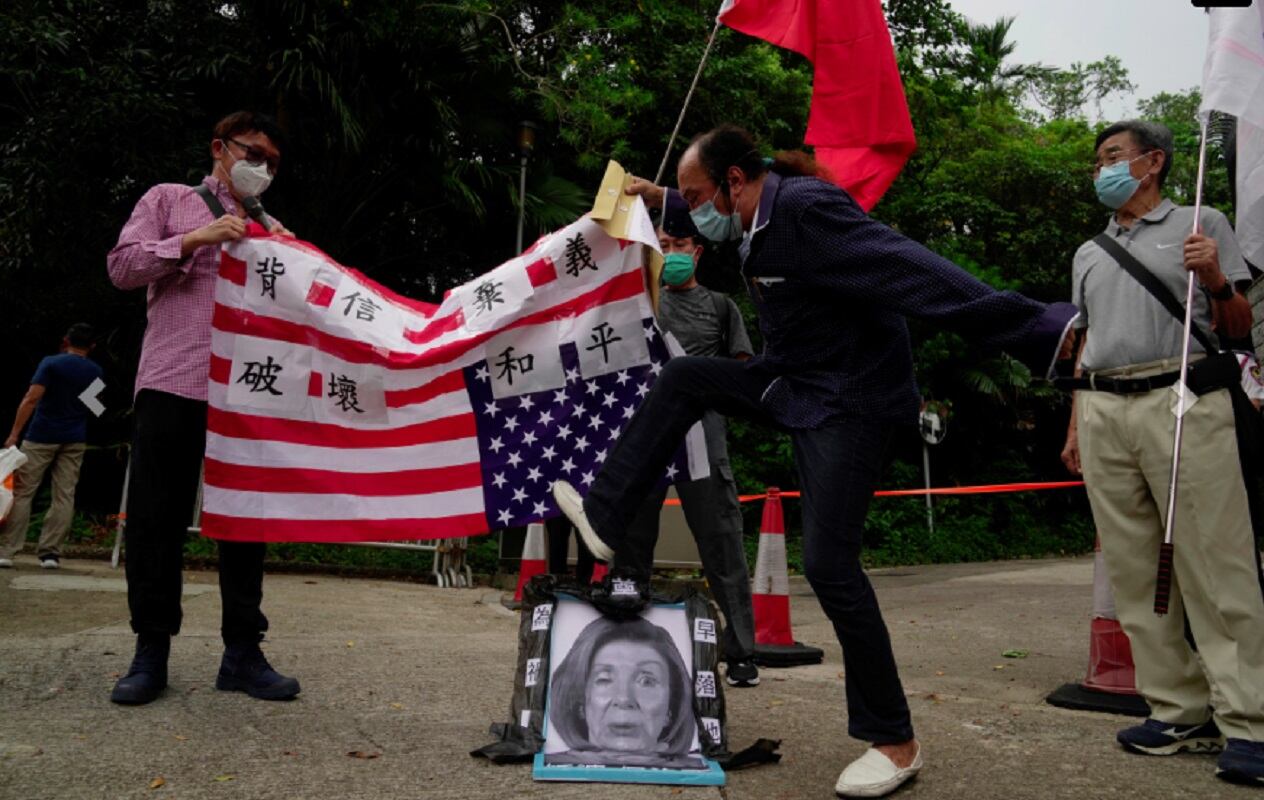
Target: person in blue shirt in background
(56, 439)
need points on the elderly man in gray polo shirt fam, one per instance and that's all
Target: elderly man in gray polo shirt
(1121, 436)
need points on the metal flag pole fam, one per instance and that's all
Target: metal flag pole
(658, 176)
(526, 144)
(121, 524)
(1163, 583)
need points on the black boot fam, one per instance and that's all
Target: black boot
(244, 669)
(147, 676)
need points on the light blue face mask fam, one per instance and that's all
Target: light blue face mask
(1115, 184)
(716, 226)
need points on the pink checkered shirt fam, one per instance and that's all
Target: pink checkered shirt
(176, 355)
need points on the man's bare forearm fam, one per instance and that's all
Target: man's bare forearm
(25, 409)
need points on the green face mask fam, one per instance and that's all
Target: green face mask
(677, 268)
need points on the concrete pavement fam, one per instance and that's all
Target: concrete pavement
(402, 680)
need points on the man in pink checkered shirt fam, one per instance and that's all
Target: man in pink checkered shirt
(171, 246)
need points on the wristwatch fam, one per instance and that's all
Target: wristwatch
(1225, 292)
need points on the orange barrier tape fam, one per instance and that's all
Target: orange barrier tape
(996, 488)
(993, 489)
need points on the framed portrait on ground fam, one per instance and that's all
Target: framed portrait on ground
(620, 701)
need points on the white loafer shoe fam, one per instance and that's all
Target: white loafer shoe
(875, 775)
(572, 505)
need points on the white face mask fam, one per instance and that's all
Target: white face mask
(250, 180)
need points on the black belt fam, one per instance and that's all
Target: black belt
(1098, 383)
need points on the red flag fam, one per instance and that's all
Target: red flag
(859, 121)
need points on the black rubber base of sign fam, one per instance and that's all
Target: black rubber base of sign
(780, 655)
(1075, 696)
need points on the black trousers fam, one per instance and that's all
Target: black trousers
(559, 534)
(714, 517)
(838, 465)
(167, 450)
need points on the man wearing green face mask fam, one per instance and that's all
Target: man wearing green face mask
(708, 324)
(1121, 436)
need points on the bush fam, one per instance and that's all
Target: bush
(970, 528)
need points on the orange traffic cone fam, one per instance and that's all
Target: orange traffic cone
(533, 561)
(1110, 683)
(770, 595)
(11, 460)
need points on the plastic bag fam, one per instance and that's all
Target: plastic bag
(11, 460)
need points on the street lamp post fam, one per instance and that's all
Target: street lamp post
(933, 425)
(526, 143)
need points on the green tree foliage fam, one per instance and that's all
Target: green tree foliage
(1066, 94)
(1178, 111)
(983, 65)
(401, 120)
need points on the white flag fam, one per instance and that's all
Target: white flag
(1233, 74)
(1233, 82)
(1250, 192)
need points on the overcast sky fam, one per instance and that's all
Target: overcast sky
(1160, 42)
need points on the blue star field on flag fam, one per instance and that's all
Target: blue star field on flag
(528, 441)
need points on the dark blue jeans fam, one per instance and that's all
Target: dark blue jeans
(838, 464)
(714, 517)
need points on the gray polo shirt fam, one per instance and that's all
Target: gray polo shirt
(1126, 324)
(691, 318)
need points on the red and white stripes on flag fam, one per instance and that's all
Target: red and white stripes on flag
(340, 411)
(1233, 82)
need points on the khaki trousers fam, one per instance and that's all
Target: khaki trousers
(1126, 454)
(65, 460)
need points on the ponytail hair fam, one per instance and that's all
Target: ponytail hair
(731, 146)
(797, 163)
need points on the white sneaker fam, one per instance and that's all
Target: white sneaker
(875, 775)
(6, 563)
(50, 563)
(572, 505)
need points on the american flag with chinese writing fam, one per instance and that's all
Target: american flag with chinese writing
(340, 411)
